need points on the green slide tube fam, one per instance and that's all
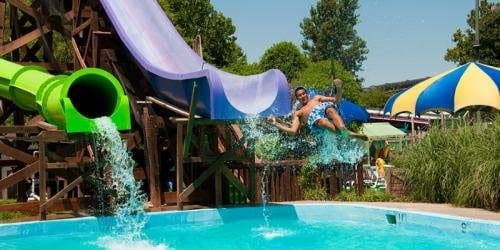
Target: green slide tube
(69, 102)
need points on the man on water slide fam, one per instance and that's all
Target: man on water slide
(320, 112)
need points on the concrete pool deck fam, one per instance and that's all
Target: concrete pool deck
(445, 209)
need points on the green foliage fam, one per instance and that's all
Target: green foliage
(316, 194)
(309, 181)
(217, 31)
(244, 69)
(11, 215)
(374, 98)
(317, 75)
(329, 33)
(269, 147)
(63, 53)
(369, 195)
(355, 126)
(7, 201)
(489, 30)
(286, 57)
(460, 166)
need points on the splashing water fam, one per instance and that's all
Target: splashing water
(113, 157)
(334, 148)
(265, 211)
(324, 148)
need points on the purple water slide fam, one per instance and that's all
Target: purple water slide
(172, 67)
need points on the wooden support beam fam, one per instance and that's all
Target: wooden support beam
(42, 177)
(251, 172)
(234, 181)
(204, 121)
(61, 165)
(2, 21)
(20, 175)
(22, 41)
(16, 153)
(19, 129)
(101, 33)
(54, 136)
(179, 166)
(169, 106)
(77, 54)
(23, 7)
(190, 124)
(81, 27)
(214, 166)
(45, 126)
(151, 154)
(45, 205)
(360, 185)
(94, 26)
(218, 186)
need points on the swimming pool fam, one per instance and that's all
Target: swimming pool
(299, 226)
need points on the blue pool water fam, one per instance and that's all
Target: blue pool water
(307, 226)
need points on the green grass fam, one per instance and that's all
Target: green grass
(459, 166)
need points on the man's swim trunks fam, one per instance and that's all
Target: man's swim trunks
(317, 113)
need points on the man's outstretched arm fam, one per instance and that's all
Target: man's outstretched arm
(293, 128)
(338, 95)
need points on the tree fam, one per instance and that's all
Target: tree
(317, 75)
(286, 57)
(329, 33)
(374, 98)
(217, 31)
(244, 69)
(489, 30)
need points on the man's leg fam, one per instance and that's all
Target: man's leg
(325, 123)
(335, 117)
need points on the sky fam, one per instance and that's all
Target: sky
(407, 39)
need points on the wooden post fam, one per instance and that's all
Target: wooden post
(42, 177)
(412, 127)
(190, 123)
(179, 166)
(333, 183)
(2, 20)
(251, 172)
(74, 9)
(94, 26)
(151, 154)
(218, 186)
(218, 172)
(360, 185)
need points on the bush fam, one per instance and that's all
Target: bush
(316, 194)
(370, 195)
(459, 166)
(11, 215)
(309, 181)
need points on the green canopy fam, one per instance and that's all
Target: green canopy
(382, 131)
